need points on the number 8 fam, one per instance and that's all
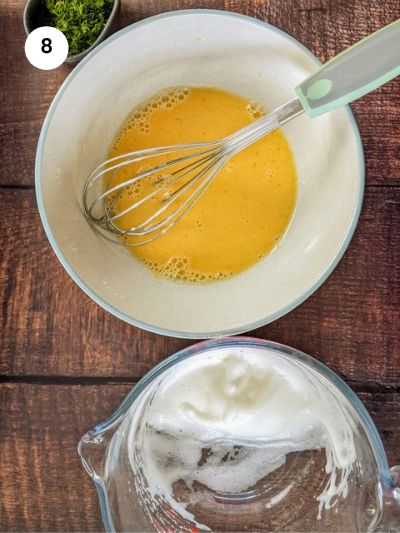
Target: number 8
(46, 48)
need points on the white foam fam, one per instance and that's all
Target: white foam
(248, 409)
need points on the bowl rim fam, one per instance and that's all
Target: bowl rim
(112, 423)
(102, 302)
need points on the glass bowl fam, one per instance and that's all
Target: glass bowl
(286, 499)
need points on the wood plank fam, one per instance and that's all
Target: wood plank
(26, 93)
(324, 26)
(49, 327)
(43, 486)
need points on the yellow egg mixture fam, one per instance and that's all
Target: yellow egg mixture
(244, 211)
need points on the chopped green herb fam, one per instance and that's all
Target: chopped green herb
(81, 21)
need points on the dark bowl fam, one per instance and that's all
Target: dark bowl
(35, 15)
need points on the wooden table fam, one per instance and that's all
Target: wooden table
(66, 364)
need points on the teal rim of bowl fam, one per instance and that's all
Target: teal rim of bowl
(123, 316)
(286, 351)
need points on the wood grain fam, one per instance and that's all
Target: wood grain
(43, 486)
(52, 335)
(51, 328)
(324, 26)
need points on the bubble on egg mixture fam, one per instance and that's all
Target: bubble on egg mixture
(179, 268)
(140, 117)
(256, 109)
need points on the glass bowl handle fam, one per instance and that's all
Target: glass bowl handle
(390, 520)
(91, 450)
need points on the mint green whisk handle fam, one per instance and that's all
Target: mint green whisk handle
(353, 73)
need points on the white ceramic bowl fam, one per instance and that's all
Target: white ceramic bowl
(206, 48)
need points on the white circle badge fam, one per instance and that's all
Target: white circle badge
(46, 48)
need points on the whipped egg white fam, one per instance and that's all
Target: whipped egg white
(227, 418)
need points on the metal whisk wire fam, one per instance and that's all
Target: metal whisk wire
(196, 168)
(353, 73)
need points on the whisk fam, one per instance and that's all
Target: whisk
(181, 181)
